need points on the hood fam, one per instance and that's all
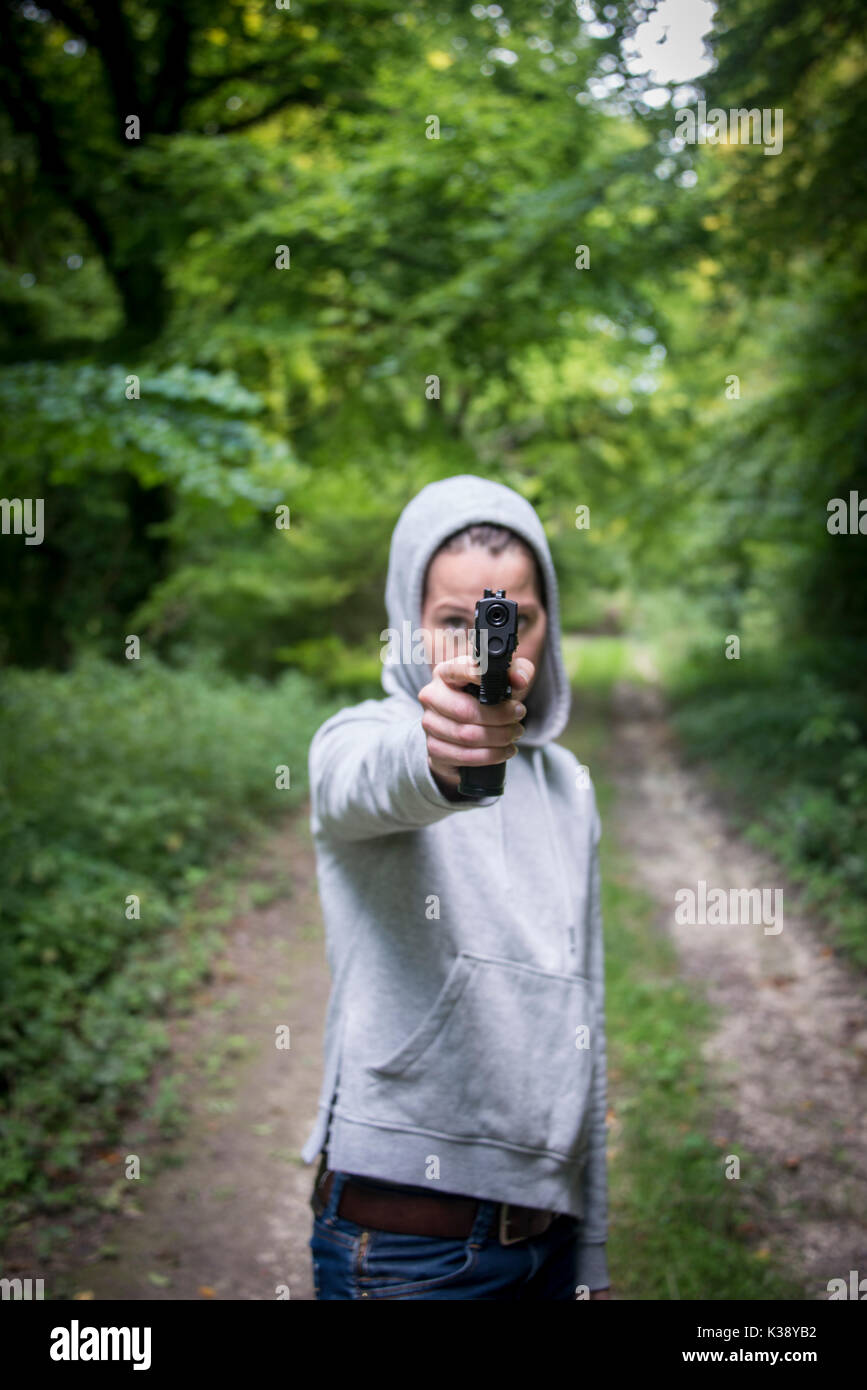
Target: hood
(440, 509)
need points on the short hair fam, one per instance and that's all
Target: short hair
(485, 535)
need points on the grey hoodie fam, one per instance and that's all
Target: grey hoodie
(465, 1033)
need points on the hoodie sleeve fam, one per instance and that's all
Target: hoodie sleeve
(592, 1261)
(370, 776)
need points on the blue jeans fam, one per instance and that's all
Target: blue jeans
(351, 1262)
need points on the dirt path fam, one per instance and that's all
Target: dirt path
(789, 1056)
(223, 1211)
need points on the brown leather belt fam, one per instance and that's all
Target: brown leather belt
(415, 1212)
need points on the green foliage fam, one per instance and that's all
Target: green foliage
(116, 782)
(127, 483)
(790, 752)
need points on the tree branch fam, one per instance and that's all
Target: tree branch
(174, 80)
(204, 86)
(32, 115)
(311, 98)
(120, 62)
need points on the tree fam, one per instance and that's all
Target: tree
(94, 86)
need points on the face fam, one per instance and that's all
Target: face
(456, 580)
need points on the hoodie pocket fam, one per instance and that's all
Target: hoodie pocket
(495, 1059)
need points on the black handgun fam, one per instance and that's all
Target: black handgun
(496, 635)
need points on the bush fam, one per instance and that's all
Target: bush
(116, 781)
(791, 749)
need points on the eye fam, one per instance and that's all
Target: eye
(453, 620)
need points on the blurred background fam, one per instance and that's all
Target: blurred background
(255, 258)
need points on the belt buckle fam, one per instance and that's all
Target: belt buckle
(541, 1227)
(504, 1221)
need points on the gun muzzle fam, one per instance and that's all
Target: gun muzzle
(495, 637)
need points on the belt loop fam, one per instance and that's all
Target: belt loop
(485, 1223)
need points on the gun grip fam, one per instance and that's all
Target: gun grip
(477, 782)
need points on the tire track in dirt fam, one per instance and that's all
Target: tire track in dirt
(788, 1057)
